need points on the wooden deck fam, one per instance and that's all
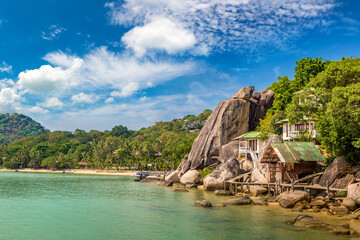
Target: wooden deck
(277, 188)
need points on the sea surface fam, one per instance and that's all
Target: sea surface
(68, 206)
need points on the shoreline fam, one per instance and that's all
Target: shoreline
(74, 171)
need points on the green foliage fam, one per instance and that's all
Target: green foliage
(16, 126)
(204, 172)
(108, 149)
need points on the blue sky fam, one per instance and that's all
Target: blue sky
(97, 64)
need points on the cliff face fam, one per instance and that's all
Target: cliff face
(231, 118)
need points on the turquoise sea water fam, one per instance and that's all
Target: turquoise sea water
(67, 206)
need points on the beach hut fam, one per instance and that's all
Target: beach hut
(82, 164)
(289, 161)
(249, 146)
(292, 131)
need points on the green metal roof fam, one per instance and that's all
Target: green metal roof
(287, 120)
(307, 90)
(248, 135)
(294, 152)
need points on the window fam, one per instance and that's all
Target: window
(299, 127)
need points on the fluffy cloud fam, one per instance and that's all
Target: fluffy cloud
(48, 78)
(52, 102)
(5, 67)
(224, 25)
(9, 100)
(100, 69)
(83, 98)
(161, 33)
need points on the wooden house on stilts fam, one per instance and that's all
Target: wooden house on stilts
(290, 160)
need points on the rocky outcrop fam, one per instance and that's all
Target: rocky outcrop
(264, 100)
(343, 182)
(337, 169)
(231, 118)
(244, 93)
(289, 199)
(222, 173)
(229, 151)
(191, 177)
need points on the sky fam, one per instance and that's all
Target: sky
(94, 64)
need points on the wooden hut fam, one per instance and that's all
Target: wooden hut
(291, 160)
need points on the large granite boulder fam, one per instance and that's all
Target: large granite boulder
(337, 169)
(229, 151)
(173, 176)
(257, 190)
(191, 177)
(343, 182)
(230, 118)
(264, 100)
(289, 199)
(257, 177)
(354, 192)
(244, 93)
(222, 173)
(247, 165)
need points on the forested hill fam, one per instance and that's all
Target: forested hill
(165, 143)
(16, 126)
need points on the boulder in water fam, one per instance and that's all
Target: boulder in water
(222, 173)
(203, 203)
(239, 201)
(289, 199)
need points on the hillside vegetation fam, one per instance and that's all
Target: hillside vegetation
(329, 91)
(119, 147)
(16, 126)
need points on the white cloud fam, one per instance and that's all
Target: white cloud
(37, 109)
(226, 25)
(53, 32)
(9, 100)
(109, 100)
(127, 75)
(5, 67)
(52, 102)
(161, 33)
(83, 98)
(48, 78)
(100, 69)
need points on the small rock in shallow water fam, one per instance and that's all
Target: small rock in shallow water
(203, 203)
(340, 211)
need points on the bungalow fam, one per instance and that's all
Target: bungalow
(290, 160)
(249, 146)
(292, 131)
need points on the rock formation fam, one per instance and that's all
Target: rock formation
(231, 118)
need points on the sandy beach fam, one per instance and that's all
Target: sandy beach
(75, 171)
